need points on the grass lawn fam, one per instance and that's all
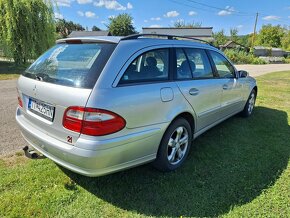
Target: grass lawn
(240, 168)
(8, 70)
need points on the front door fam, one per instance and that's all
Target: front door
(232, 99)
(196, 81)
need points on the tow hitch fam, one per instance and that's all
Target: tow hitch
(32, 154)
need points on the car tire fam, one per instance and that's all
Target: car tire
(174, 146)
(249, 107)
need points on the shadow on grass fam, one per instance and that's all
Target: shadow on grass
(9, 67)
(229, 165)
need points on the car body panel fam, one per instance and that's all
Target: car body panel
(103, 156)
(56, 96)
(206, 102)
(232, 97)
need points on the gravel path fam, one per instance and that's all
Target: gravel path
(10, 137)
(258, 70)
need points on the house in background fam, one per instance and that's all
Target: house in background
(234, 45)
(204, 33)
(88, 33)
(270, 55)
(261, 51)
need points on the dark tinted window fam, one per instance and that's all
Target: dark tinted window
(199, 63)
(75, 65)
(223, 66)
(150, 66)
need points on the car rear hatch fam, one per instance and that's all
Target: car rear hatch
(64, 76)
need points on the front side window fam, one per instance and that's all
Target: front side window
(150, 66)
(223, 66)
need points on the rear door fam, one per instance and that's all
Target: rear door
(232, 98)
(197, 82)
(145, 93)
(64, 76)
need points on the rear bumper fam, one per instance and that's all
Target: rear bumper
(109, 156)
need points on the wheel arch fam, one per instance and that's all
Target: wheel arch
(187, 116)
(256, 89)
(159, 161)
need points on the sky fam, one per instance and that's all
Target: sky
(219, 14)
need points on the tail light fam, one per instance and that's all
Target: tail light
(19, 100)
(92, 121)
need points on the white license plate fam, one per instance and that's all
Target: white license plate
(42, 109)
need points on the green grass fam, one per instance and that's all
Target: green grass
(240, 168)
(8, 70)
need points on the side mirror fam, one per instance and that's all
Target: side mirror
(243, 74)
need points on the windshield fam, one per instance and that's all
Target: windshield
(75, 65)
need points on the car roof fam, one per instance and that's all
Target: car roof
(145, 40)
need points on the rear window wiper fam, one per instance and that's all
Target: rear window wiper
(39, 78)
(46, 78)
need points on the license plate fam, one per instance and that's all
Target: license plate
(41, 109)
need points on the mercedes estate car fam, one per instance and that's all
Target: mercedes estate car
(97, 105)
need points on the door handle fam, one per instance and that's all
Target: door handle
(225, 87)
(193, 91)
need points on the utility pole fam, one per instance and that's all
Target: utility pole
(253, 38)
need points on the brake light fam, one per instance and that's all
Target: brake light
(20, 102)
(19, 99)
(73, 41)
(92, 121)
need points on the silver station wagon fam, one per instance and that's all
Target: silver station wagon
(98, 105)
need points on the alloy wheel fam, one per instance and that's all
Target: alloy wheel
(177, 145)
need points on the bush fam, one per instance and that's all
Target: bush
(242, 57)
(256, 60)
(287, 60)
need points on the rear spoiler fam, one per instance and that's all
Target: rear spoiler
(80, 40)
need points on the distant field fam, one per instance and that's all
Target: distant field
(240, 168)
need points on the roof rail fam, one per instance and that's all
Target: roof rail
(136, 36)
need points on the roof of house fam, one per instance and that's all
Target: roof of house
(228, 43)
(232, 42)
(88, 33)
(177, 28)
(195, 32)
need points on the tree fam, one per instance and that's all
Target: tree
(122, 25)
(234, 34)
(285, 41)
(245, 40)
(64, 28)
(219, 38)
(182, 24)
(271, 36)
(26, 28)
(95, 28)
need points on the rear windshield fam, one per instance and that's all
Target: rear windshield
(74, 65)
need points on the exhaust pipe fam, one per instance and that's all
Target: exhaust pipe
(32, 154)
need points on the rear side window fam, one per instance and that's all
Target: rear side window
(223, 66)
(150, 66)
(183, 68)
(75, 65)
(199, 63)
